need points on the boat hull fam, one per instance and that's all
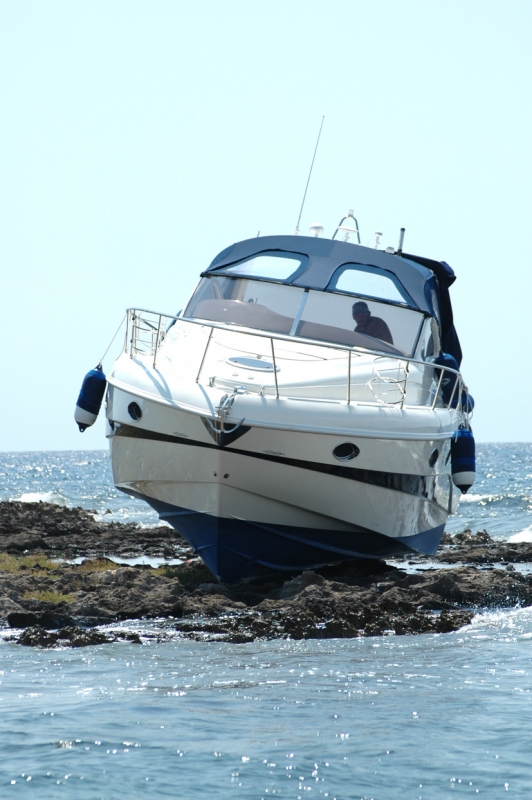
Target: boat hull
(272, 433)
(236, 549)
(250, 507)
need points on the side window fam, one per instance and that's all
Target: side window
(205, 291)
(432, 295)
(426, 341)
(269, 265)
(366, 281)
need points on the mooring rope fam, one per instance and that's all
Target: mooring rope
(112, 340)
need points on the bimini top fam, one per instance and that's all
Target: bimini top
(328, 265)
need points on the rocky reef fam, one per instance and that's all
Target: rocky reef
(59, 583)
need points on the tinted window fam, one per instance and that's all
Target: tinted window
(269, 265)
(252, 304)
(388, 328)
(322, 316)
(367, 281)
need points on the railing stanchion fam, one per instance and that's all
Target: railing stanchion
(133, 333)
(456, 383)
(204, 355)
(348, 377)
(407, 370)
(437, 390)
(274, 369)
(157, 340)
(128, 314)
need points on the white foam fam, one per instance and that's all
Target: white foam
(479, 498)
(522, 536)
(507, 624)
(42, 497)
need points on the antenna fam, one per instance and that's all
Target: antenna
(401, 240)
(308, 179)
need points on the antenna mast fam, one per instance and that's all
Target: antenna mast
(308, 179)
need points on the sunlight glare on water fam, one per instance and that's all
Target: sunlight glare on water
(428, 717)
(71, 478)
(432, 717)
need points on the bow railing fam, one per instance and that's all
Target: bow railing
(283, 364)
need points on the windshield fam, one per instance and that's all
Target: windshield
(252, 304)
(310, 314)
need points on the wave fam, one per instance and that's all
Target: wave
(522, 536)
(42, 497)
(513, 622)
(481, 498)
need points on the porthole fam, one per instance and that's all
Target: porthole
(134, 411)
(346, 451)
(433, 457)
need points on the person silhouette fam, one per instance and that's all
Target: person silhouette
(370, 325)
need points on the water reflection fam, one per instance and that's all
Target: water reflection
(387, 718)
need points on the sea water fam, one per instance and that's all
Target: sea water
(432, 716)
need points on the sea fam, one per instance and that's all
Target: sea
(385, 718)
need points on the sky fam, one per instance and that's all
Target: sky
(137, 140)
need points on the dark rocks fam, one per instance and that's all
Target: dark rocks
(292, 588)
(480, 548)
(308, 623)
(467, 538)
(72, 532)
(60, 603)
(37, 636)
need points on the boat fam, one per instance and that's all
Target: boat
(304, 408)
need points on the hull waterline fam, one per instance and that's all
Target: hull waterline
(238, 549)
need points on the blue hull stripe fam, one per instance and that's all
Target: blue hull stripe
(234, 549)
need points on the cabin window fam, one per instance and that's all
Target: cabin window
(366, 281)
(311, 314)
(269, 265)
(384, 327)
(251, 304)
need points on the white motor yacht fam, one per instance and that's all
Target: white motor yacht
(304, 408)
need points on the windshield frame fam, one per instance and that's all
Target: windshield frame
(367, 343)
(282, 255)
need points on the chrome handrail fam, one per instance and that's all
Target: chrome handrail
(274, 368)
(204, 355)
(136, 345)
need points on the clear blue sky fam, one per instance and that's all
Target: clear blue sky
(139, 139)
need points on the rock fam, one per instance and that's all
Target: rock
(36, 636)
(22, 619)
(212, 588)
(295, 586)
(73, 532)
(60, 603)
(466, 537)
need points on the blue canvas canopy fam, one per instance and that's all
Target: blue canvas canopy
(426, 282)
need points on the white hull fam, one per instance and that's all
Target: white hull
(284, 422)
(283, 472)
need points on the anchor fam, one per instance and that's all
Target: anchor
(221, 434)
